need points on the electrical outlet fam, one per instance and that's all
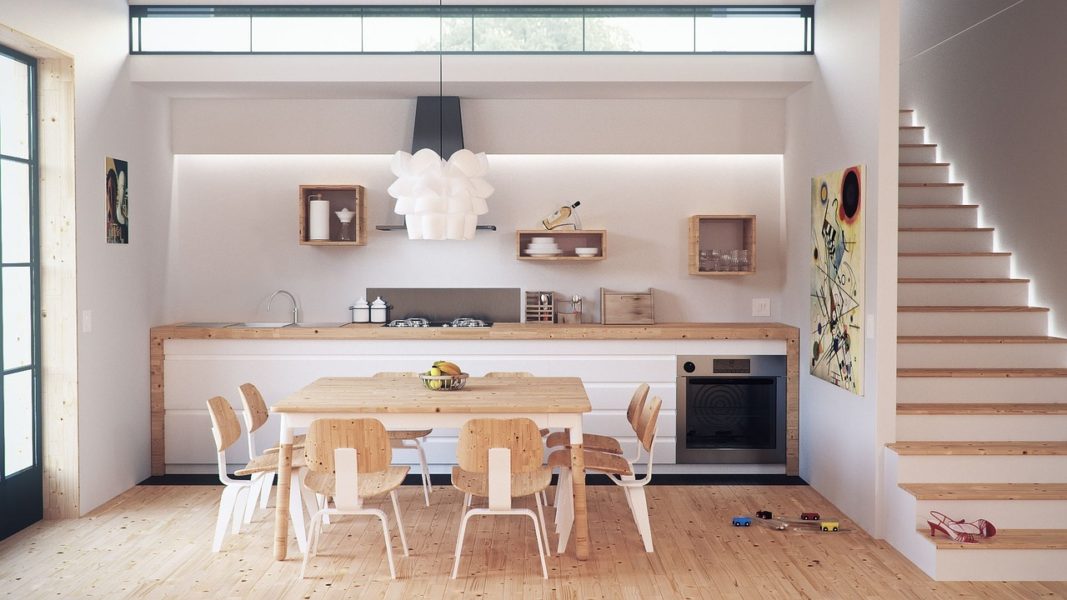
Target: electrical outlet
(761, 307)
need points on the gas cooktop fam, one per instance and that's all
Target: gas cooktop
(422, 322)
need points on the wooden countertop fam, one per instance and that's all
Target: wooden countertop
(499, 331)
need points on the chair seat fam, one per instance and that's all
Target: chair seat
(409, 434)
(590, 441)
(594, 461)
(298, 444)
(370, 484)
(522, 484)
(267, 462)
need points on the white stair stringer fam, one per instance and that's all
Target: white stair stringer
(974, 342)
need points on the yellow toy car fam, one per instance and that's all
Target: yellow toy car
(829, 525)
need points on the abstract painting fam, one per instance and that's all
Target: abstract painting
(837, 206)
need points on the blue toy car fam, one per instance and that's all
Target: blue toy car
(742, 521)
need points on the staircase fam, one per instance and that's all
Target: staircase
(981, 391)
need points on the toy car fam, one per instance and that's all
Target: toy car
(742, 521)
(809, 516)
(829, 525)
(764, 514)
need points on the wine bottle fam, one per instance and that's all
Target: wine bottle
(561, 217)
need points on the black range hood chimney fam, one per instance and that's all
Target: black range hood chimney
(438, 125)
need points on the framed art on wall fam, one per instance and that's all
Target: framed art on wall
(116, 200)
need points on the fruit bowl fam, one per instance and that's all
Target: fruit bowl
(444, 383)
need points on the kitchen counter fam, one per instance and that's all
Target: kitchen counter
(209, 359)
(499, 331)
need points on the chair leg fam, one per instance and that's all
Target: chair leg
(459, 540)
(467, 500)
(253, 497)
(541, 517)
(296, 512)
(264, 492)
(425, 471)
(562, 485)
(399, 522)
(313, 541)
(640, 509)
(540, 544)
(240, 499)
(226, 502)
(388, 542)
(566, 514)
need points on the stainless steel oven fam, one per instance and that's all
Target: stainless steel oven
(731, 409)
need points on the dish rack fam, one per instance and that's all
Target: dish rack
(540, 307)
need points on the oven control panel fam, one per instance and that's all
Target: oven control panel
(772, 365)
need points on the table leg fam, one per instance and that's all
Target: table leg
(281, 509)
(581, 523)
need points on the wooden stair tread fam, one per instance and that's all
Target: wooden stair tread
(991, 408)
(979, 339)
(961, 280)
(984, 372)
(986, 491)
(981, 309)
(938, 206)
(1007, 539)
(941, 448)
(915, 164)
(931, 185)
(943, 229)
(953, 254)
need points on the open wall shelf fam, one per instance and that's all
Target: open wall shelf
(567, 241)
(719, 245)
(339, 197)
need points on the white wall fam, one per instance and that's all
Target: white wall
(989, 84)
(234, 233)
(119, 284)
(846, 117)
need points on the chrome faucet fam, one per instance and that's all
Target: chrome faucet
(296, 308)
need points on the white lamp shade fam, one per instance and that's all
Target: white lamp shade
(439, 199)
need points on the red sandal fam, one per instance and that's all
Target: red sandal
(955, 530)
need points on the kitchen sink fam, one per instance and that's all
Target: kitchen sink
(317, 325)
(212, 324)
(262, 325)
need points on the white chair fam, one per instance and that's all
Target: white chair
(501, 459)
(349, 460)
(255, 417)
(232, 506)
(412, 439)
(618, 469)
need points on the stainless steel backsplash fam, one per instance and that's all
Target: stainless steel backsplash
(499, 305)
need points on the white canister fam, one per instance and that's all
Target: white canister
(360, 311)
(377, 310)
(318, 218)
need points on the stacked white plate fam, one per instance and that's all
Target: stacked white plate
(543, 246)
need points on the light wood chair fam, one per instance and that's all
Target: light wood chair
(412, 439)
(255, 417)
(544, 431)
(226, 430)
(349, 460)
(501, 459)
(604, 443)
(619, 469)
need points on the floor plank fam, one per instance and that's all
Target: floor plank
(154, 542)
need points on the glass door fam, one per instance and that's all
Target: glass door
(21, 501)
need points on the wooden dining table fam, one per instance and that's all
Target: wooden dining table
(406, 403)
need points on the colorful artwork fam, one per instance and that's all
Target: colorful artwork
(116, 201)
(837, 205)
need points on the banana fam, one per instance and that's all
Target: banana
(448, 368)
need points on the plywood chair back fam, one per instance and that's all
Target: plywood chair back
(492, 374)
(224, 424)
(520, 436)
(366, 436)
(637, 403)
(382, 374)
(646, 425)
(255, 408)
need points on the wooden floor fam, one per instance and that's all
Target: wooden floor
(154, 542)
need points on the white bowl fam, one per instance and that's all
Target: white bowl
(543, 240)
(586, 251)
(542, 247)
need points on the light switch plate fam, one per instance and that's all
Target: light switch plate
(761, 307)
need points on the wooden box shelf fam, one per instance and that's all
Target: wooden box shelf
(567, 242)
(722, 234)
(339, 197)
